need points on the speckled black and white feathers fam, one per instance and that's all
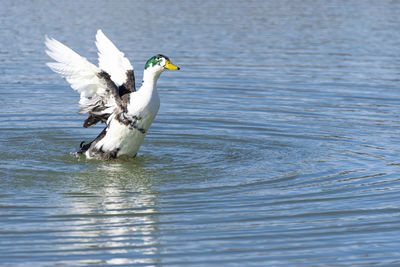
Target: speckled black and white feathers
(96, 107)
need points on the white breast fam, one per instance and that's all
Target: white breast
(144, 103)
(125, 139)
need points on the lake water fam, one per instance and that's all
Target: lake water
(276, 144)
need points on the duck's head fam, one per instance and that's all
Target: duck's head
(158, 64)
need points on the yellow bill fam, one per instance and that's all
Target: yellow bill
(170, 66)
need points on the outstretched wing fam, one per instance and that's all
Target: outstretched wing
(113, 61)
(97, 98)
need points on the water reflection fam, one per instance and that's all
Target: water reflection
(112, 216)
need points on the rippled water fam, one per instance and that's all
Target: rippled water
(276, 144)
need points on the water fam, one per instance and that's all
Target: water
(276, 144)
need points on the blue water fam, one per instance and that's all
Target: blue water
(276, 144)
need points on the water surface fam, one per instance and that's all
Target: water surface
(276, 144)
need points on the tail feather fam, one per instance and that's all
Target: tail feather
(85, 147)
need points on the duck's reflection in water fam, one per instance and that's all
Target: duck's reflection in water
(112, 216)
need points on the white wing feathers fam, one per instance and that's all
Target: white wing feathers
(111, 59)
(98, 86)
(96, 98)
(77, 70)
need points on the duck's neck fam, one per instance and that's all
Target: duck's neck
(149, 81)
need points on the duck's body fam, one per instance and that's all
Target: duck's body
(120, 138)
(108, 94)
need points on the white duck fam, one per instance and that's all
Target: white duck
(108, 94)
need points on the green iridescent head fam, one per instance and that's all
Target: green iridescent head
(162, 61)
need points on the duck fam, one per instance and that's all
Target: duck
(108, 95)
